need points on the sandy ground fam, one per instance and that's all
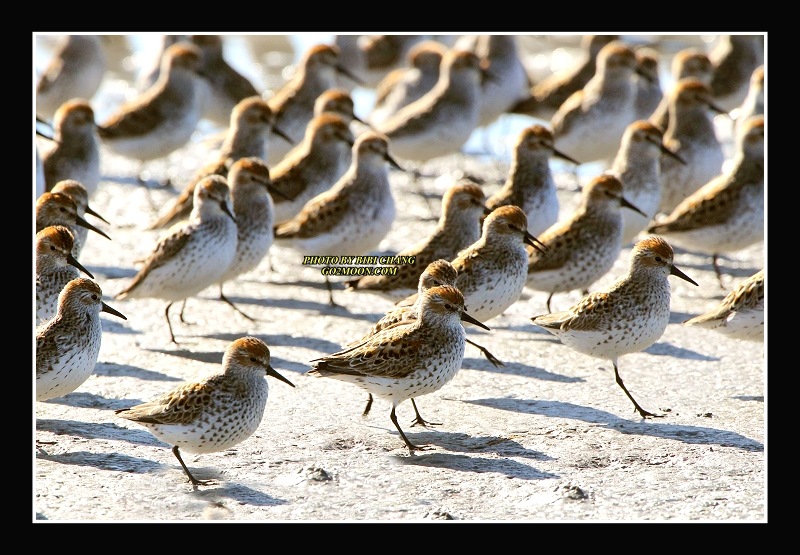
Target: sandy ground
(547, 437)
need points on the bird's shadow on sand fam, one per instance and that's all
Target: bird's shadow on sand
(656, 427)
(517, 369)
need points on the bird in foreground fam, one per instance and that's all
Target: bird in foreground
(441, 121)
(162, 119)
(60, 209)
(589, 125)
(75, 152)
(582, 247)
(250, 187)
(405, 84)
(628, 317)
(530, 184)
(67, 344)
(215, 412)
(409, 360)
(313, 166)
(691, 134)
(459, 226)
(355, 214)
(226, 85)
(638, 166)
(740, 315)
(80, 195)
(549, 94)
(293, 103)
(194, 254)
(55, 267)
(726, 214)
(75, 70)
(251, 123)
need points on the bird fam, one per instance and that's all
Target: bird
(356, 213)
(727, 213)
(492, 272)
(227, 86)
(740, 315)
(734, 58)
(441, 121)
(41, 185)
(76, 69)
(163, 118)
(293, 103)
(688, 62)
(339, 102)
(382, 54)
(583, 246)
(627, 317)
(250, 186)
(55, 267)
(590, 123)
(648, 82)
(407, 83)
(251, 123)
(459, 226)
(549, 94)
(509, 83)
(638, 166)
(529, 183)
(60, 209)
(691, 134)
(150, 70)
(437, 273)
(215, 412)
(406, 361)
(75, 151)
(80, 195)
(194, 254)
(313, 166)
(753, 104)
(67, 345)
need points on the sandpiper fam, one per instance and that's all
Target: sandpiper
(382, 54)
(638, 166)
(75, 70)
(589, 125)
(60, 209)
(753, 104)
(162, 119)
(689, 62)
(648, 82)
(227, 86)
(55, 267)
(293, 103)
(75, 152)
(583, 246)
(67, 344)
(691, 134)
(251, 123)
(530, 184)
(459, 226)
(355, 214)
(313, 166)
(404, 85)
(215, 412)
(407, 361)
(740, 315)
(80, 195)
(150, 70)
(194, 254)
(628, 317)
(734, 58)
(727, 213)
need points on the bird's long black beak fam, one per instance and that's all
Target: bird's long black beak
(271, 372)
(83, 223)
(467, 318)
(676, 272)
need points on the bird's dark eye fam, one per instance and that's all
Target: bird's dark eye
(52, 248)
(253, 359)
(95, 297)
(437, 282)
(448, 306)
(659, 259)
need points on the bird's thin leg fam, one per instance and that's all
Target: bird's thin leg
(410, 445)
(717, 271)
(636, 406)
(548, 303)
(222, 297)
(419, 420)
(368, 407)
(192, 479)
(493, 359)
(330, 291)
(169, 324)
